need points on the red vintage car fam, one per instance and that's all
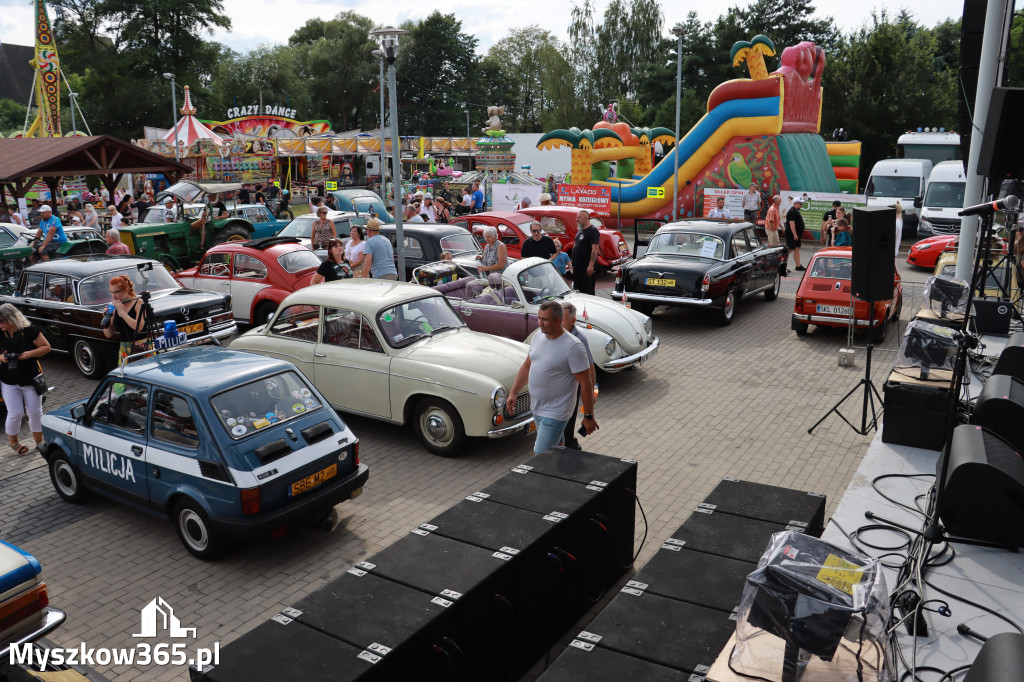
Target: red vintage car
(926, 252)
(561, 220)
(823, 297)
(258, 274)
(559, 223)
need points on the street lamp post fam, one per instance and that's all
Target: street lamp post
(174, 115)
(383, 174)
(388, 38)
(678, 31)
(467, 124)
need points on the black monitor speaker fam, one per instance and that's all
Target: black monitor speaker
(1000, 659)
(983, 498)
(1000, 409)
(999, 156)
(874, 263)
(1011, 360)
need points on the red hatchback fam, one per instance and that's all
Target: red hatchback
(258, 274)
(823, 297)
(561, 220)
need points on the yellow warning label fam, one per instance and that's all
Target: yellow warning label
(840, 574)
(332, 185)
(656, 192)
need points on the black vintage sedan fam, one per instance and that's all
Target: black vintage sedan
(66, 299)
(704, 264)
(424, 243)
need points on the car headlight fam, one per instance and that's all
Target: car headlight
(498, 397)
(648, 325)
(925, 246)
(610, 345)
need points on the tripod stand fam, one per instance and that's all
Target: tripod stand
(870, 393)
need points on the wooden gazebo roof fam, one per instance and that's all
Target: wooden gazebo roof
(24, 160)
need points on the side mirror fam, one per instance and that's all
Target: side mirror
(78, 411)
(918, 202)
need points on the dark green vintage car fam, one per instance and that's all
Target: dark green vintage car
(177, 244)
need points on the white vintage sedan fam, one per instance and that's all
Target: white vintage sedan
(507, 305)
(398, 352)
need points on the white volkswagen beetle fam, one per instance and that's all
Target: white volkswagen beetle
(507, 304)
(398, 352)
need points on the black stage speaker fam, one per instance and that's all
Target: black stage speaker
(1011, 360)
(671, 633)
(730, 536)
(478, 584)
(1000, 659)
(1000, 409)
(874, 267)
(586, 662)
(768, 503)
(992, 316)
(972, 30)
(999, 156)
(984, 494)
(680, 573)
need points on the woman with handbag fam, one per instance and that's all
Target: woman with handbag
(21, 344)
(128, 318)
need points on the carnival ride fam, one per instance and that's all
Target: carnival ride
(762, 129)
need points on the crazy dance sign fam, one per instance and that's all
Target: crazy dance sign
(594, 197)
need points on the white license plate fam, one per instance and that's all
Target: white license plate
(647, 358)
(835, 310)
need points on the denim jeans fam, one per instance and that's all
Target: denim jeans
(549, 433)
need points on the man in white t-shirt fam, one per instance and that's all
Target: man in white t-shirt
(428, 208)
(720, 211)
(556, 365)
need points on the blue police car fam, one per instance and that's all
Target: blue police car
(225, 443)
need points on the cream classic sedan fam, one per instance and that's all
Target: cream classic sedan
(398, 352)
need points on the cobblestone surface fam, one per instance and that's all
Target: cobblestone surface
(733, 401)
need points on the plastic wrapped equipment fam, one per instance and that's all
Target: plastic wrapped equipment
(927, 346)
(432, 274)
(946, 294)
(815, 608)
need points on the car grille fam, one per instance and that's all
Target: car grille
(945, 228)
(522, 406)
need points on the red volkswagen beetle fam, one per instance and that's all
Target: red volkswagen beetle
(823, 297)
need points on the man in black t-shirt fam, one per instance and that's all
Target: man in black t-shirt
(218, 211)
(795, 230)
(243, 196)
(539, 244)
(584, 254)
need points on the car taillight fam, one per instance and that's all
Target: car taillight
(355, 453)
(705, 283)
(251, 501)
(20, 608)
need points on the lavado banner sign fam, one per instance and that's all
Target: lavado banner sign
(593, 197)
(257, 110)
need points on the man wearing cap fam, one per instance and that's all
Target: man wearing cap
(51, 232)
(378, 255)
(525, 203)
(169, 212)
(795, 230)
(115, 247)
(428, 208)
(545, 199)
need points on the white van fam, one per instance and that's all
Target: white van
(901, 180)
(929, 144)
(943, 199)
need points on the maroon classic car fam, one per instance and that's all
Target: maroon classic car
(561, 220)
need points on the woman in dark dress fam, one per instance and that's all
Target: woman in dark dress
(128, 319)
(22, 344)
(334, 266)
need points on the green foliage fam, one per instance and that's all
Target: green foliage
(12, 116)
(521, 60)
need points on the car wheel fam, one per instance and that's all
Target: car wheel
(90, 358)
(899, 311)
(264, 311)
(440, 427)
(773, 293)
(877, 334)
(66, 480)
(231, 233)
(725, 314)
(194, 530)
(800, 327)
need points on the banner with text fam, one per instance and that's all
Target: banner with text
(598, 199)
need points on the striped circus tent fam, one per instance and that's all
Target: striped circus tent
(189, 128)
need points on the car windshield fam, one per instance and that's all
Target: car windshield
(299, 259)
(687, 243)
(945, 195)
(831, 268)
(257, 405)
(373, 205)
(459, 242)
(542, 281)
(892, 186)
(96, 288)
(402, 324)
(300, 227)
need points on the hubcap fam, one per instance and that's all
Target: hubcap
(65, 478)
(437, 427)
(85, 358)
(729, 302)
(193, 529)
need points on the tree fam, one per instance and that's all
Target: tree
(518, 58)
(12, 116)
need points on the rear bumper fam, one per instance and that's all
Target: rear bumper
(663, 300)
(831, 321)
(51, 620)
(345, 489)
(636, 359)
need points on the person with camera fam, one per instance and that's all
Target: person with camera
(21, 344)
(127, 316)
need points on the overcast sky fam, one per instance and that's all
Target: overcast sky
(261, 21)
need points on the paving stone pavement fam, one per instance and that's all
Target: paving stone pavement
(733, 401)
